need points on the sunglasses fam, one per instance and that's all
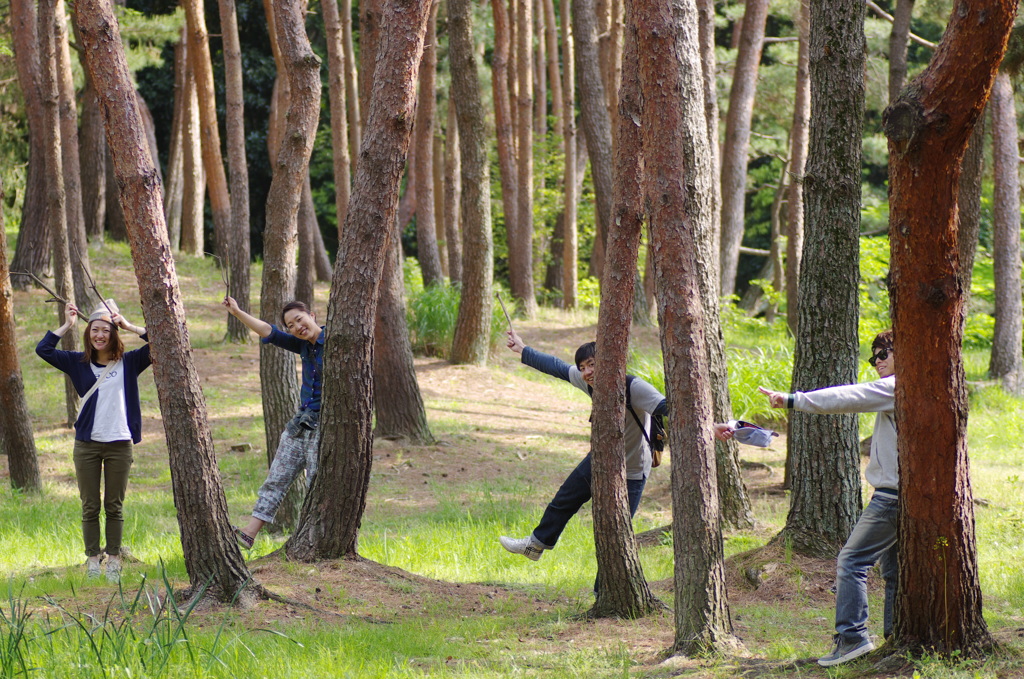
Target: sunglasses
(880, 356)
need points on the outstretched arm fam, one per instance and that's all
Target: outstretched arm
(122, 322)
(258, 326)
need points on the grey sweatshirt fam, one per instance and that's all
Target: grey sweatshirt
(868, 397)
(644, 398)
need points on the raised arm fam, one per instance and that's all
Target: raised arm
(122, 322)
(260, 327)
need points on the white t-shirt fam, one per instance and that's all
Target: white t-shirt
(110, 423)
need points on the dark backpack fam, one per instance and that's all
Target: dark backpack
(656, 439)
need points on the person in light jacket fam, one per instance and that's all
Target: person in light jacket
(874, 537)
(109, 422)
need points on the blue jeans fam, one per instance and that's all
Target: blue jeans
(873, 539)
(574, 493)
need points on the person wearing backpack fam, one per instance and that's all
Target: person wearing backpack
(645, 405)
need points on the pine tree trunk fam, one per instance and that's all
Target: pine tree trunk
(352, 97)
(570, 237)
(56, 201)
(305, 273)
(1006, 360)
(824, 449)
(337, 76)
(213, 163)
(504, 129)
(737, 138)
(68, 113)
(175, 184)
(16, 440)
(939, 601)
(678, 190)
(93, 155)
(238, 171)
(798, 140)
(423, 131)
(622, 591)
(33, 251)
(594, 119)
(453, 195)
(335, 504)
(472, 340)
(902, 16)
(396, 393)
(520, 239)
(554, 77)
(212, 557)
(194, 186)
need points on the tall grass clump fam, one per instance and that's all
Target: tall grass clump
(431, 313)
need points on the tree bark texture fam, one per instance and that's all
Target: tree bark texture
(68, 114)
(898, 37)
(335, 504)
(798, 141)
(969, 202)
(709, 68)
(678, 190)
(737, 138)
(504, 130)
(593, 116)
(16, 439)
(540, 73)
(212, 557)
(939, 601)
(175, 180)
(93, 155)
(213, 163)
(238, 171)
(823, 449)
(622, 591)
(471, 343)
(570, 200)
(194, 185)
(396, 393)
(352, 97)
(1006, 360)
(33, 250)
(337, 72)
(520, 239)
(56, 198)
(423, 131)
(453, 195)
(554, 76)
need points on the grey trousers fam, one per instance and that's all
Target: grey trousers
(110, 462)
(295, 452)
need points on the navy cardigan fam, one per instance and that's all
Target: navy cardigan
(82, 377)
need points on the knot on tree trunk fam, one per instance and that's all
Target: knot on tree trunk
(940, 291)
(902, 120)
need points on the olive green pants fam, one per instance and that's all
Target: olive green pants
(110, 462)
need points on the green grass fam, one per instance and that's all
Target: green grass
(450, 537)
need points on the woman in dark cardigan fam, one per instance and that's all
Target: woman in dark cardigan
(109, 422)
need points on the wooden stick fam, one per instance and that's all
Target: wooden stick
(506, 312)
(55, 297)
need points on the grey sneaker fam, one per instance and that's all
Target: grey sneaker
(527, 546)
(113, 569)
(845, 651)
(92, 567)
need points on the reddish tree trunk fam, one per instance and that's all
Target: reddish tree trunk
(939, 601)
(453, 195)
(337, 78)
(504, 130)
(426, 228)
(622, 589)
(798, 141)
(212, 558)
(472, 339)
(16, 440)
(570, 239)
(678, 188)
(520, 239)
(737, 138)
(335, 504)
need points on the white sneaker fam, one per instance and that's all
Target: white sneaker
(527, 546)
(113, 569)
(92, 567)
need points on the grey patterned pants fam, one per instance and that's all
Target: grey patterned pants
(295, 452)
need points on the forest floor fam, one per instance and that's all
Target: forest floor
(501, 421)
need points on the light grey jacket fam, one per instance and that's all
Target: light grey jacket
(868, 397)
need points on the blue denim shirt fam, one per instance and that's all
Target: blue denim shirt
(312, 356)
